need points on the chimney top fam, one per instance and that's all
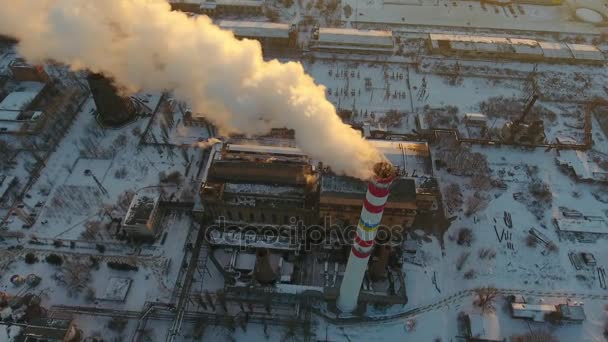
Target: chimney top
(384, 170)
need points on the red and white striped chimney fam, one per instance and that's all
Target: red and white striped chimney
(371, 214)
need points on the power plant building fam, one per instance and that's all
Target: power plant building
(260, 186)
(273, 185)
(267, 199)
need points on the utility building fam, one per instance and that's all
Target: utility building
(270, 35)
(347, 40)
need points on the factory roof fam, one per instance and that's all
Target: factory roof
(346, 36)
(242, 171)
(20, 99)
(256, 29)
(410, 158)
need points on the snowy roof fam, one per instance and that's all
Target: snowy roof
(555, 50)
(245, 262)
(141, 209)
(9, 115)
(20, 99)
(263, 189)
(256, 29)
(5, 183)
(585, 51)
(586, 224)
(583, 165)
(291, 151)
(475, 116)
(526, 46)
(469, 38)
(402, 190)
(535, 312)
(16, 115)
(409, 157)
(117, 289)
(346, 36)
(485, 327)
(245, 3)
(572, 312)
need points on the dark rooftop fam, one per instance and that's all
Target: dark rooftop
(402, 189)
(256, 172)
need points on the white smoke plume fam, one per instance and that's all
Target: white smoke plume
(143, 45)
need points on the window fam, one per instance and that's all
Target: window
(240, 216)
(229, 214)
(274, 218)
(251, 217)
(263, 217)
(285, 219)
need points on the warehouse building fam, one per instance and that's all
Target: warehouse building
(232, 7)
(270, 35)
(346, 40)
(513, 48)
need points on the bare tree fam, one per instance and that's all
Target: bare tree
(485, 297)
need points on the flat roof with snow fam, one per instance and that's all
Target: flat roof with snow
(250, 148)
(354, 37)
(117, 289)
(534, 312)
(141, 209)
(555, 50)
(585, 51)
(20, 99)
(256, 29)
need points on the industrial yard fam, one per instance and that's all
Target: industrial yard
(446, 181)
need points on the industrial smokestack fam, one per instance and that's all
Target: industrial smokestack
(143, 45)
(377, 270)
(113, 109)
(371, 214)
(263, 272)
